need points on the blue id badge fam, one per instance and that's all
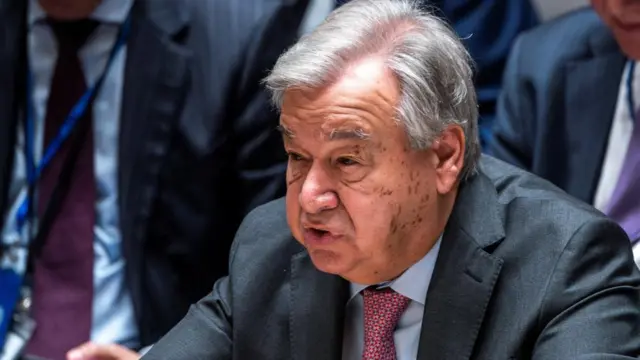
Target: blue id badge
(10, 284)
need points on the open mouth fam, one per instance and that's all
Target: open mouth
(316, 236)
(318, 232)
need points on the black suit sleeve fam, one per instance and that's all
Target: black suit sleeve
(204, 333)
(592, 306)
(261, 160)
(512, 129)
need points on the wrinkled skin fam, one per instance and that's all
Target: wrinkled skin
(364, 203)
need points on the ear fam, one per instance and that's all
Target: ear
(449, 150)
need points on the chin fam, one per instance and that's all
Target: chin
(633, 53)
(629, 44)
(328, 261)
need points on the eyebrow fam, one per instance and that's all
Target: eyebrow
(286, 132)
(333, 135)
(349, 134)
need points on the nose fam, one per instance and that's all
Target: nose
(317, 194)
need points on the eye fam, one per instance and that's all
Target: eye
(294, 156)
(345, 161)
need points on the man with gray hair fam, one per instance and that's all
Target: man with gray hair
(396, 239)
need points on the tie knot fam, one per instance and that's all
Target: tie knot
(71, 35)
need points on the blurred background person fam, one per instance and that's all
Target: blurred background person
(570, 104)
(171, 141)
(488, 28)
(549, 9)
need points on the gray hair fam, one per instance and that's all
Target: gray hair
(429, 61)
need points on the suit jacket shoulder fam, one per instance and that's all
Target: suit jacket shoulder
(241, 18)
(264, 231)
(557, 101)
(565, 267)
(533, 204)
(573, 36)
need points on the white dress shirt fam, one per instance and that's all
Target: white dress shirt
(619, 139)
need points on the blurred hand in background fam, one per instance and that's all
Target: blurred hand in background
(92, 351)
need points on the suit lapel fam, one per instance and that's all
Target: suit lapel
(317, 306)
(590, 103)
(155, 84)
(464, 275)
(12, 73)
(156, 79)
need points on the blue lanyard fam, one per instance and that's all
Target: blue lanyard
(630, 100)
(77, 111)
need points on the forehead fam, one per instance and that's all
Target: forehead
(363, 100)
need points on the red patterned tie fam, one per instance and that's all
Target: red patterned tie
(382, 310)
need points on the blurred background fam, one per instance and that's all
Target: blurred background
(549, 9)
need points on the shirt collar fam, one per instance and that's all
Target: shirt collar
(413, 283)
(108, 12)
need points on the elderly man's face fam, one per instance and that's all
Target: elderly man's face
(623, 17)
(365, 204)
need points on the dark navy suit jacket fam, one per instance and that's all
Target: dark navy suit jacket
(559, 97)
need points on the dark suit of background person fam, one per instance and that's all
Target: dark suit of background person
(523, 272)
(563, 113)
(488, 28)
(197, 146)
(558, 101)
